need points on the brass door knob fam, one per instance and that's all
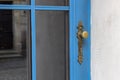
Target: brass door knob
(81, 35)
(84, 34)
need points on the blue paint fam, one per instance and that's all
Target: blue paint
(83, 14)
(18, 7)
(29, 7)
(33, 27)
(65, 8)
(72, 40)
(79, 11)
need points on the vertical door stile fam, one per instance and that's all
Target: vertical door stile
(72, 40)
(83, 15)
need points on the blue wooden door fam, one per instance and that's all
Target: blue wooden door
(80, 12)
(52, 44)
(82, 71)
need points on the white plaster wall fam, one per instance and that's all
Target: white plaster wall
(105, 43)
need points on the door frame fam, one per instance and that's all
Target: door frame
(74, 10)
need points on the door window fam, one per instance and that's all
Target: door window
(52, 45)
(11, 2)
(14, 44)
(52, 2)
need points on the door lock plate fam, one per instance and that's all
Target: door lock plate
(81, 34)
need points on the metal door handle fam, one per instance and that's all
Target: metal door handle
(81, 34)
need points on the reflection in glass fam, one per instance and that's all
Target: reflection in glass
(14, 48)
(52, 45)
(10, 2)
(53, 2)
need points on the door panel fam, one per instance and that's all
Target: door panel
(52, 45)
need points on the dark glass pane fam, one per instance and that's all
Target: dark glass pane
(52, 45)
(10, 2)
(53, 2)
(14, 45)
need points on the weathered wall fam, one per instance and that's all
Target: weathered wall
(105, 42)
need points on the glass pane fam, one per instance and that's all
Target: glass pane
(52, 45)
(10, 2)
(14, 45)
(52, 2)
